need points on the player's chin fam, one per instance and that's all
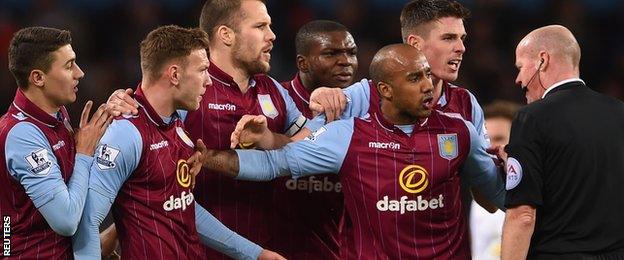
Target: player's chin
(450, 75)
(71, 98)
(191, 106)
(424, 113)
(264, 66)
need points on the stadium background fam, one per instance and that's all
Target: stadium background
(107, 33)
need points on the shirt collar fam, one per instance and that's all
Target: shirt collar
(557, 84)
(442, 100)
(379, 118)
(24, 105)
(151, 112)
(222, 77)
(300, 90)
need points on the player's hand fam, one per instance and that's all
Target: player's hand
(331, 101)
(109, 242)
(270, 255)
(91, 130)
(196, 160)
(499, 152)
(121, 102)
(251, 131)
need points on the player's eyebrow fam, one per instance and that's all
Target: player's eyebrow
(69, 61)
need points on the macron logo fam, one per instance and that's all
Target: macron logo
(159, 145)
(58, 145)
(379, 145)
(222, 107)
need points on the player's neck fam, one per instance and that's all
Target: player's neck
(38, 98)
(159, 98)
(225, 62)
(395, 116)
(438, 85)
(307, 82)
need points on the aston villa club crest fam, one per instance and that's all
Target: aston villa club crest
(447, 145)
(268, 108)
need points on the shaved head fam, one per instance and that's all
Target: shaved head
(402, 78)
(393, 58)
(545, 56)
(556, 40)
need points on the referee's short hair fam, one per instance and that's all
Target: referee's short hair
(308, 31)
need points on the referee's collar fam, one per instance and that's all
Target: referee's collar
(560, 83)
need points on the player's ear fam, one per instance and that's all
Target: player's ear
(226, 35)
(302, 64)
(173, 74)
(415, 41)
(385, 90)
(36, 78)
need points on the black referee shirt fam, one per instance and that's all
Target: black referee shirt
(566, 158)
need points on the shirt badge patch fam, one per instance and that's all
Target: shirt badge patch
(514, 173)
(447, 145)
(184, 137)
(312, 137)
(268, 108)
(39, 162)
(106, 157)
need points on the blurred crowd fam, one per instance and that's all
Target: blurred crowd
(106, 36)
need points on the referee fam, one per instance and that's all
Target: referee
(565, 170)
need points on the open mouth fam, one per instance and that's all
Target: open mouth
(428, 103)
(267, 51)
(454, 63)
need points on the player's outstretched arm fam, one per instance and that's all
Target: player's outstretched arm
(481, 171)
(225, 162)
(322, 152)
(252, 131)
(117, 156)
(31, 161)
(217, 236)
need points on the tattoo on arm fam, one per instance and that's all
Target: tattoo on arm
(225, 162)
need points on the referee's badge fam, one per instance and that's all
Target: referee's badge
(514, 173)
(268, 108)
(447, 145)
